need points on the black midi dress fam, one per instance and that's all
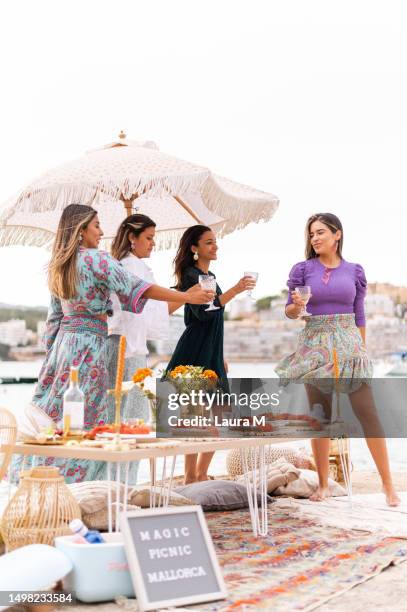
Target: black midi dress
(201, 344)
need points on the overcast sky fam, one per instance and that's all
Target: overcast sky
(304, 99)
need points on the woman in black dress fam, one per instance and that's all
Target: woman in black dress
(201, 344)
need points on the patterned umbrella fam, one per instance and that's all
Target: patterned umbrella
(127, 176)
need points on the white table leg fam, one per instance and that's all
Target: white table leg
(249, 489)
(126, 485)
(162, 487)
(109, 498)
(169, 486)
(118, 496)
(153, 471)
(263, 527)
(258, 485)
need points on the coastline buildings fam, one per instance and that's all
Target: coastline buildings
(253, 331)
(14, 333)
(268, 335)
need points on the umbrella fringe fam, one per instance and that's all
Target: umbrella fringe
(25, 236)
(47, 198)
(235, 208)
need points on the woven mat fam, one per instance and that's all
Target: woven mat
(299, 566)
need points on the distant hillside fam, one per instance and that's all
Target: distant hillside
(30, 314)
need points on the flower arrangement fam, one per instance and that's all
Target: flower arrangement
(188, 378)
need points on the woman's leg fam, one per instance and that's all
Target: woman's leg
(204, 461)
(364, 407)
(320, 446)
(190, 468)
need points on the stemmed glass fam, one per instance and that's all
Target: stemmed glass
(305, 294)
(254, 276)
(208, 283)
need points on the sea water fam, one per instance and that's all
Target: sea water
(17, 397)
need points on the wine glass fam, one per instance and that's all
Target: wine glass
(254, 276)
(208, 283)
(305, 294)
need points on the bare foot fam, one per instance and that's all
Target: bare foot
(189, 480)
(320, 494)
(202, 477)
(392, 499)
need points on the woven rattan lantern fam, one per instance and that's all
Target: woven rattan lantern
(40, 510)
(8, 434)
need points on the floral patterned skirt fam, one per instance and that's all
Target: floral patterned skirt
(80, 342)
(330, 355)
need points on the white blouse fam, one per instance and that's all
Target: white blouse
(151, 324)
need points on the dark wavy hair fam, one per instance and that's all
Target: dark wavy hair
(185, 257)
(133, 224)
(331, 221)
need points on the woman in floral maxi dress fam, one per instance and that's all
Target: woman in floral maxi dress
(81, 279)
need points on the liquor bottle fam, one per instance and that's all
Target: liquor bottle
(73, 405)
(90, 535)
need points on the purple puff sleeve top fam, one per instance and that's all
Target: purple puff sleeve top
(338, 290)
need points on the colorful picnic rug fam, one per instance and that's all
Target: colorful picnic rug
(298, 566)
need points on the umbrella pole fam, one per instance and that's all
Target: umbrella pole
(128, 204)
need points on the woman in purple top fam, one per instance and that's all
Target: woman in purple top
(333, 342)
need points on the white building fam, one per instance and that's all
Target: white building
(13, 333)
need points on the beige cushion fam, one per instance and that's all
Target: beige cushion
(91, 495)
(298, 458)
(278, 474)
(141, 497)
(100, 520)
(307, 484)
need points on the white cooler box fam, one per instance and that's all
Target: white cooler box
(100, 571)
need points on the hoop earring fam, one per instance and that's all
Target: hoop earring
(196, 256)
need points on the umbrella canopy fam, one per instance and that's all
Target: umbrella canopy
(125, 177)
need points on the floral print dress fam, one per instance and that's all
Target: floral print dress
(75, 336)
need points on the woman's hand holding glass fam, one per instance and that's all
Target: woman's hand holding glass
(246, 283)
(301, 297)
(199, 295)
(208, 283)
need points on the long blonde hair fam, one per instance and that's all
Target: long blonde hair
(134, 224)
(62, 272)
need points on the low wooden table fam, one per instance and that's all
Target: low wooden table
(170, 450)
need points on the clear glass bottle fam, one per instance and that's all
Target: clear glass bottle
(73, 405)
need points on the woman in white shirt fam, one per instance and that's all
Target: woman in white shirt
(133, 244)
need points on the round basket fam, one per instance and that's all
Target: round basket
(40, 510)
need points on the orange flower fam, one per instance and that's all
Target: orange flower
(140, 374)
(178, 370)
(210, 374)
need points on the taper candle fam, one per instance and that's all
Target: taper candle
(119, 379)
